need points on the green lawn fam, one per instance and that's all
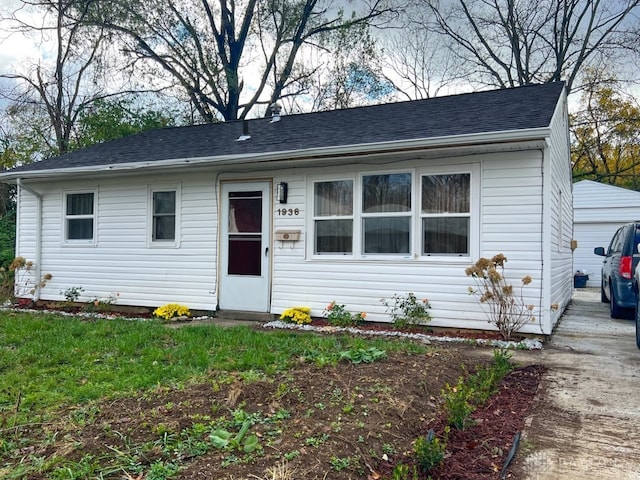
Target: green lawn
(49, 361)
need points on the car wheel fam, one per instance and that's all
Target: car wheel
(614, 308)
(603, 295)
(638, 323)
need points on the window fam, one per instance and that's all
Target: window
(79, 217)
(164, 216)
(386, 213)
(400, 214)
(164, 221)
(333, 217)
(446, 214)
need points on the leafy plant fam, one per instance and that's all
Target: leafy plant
(506, 309)
(406, 310)
(299, 315)
(401, 472)
(458, 404)
(461, 400)
(338, 315)
(171, 310)
(102, 304)
(72, 294)
(429, 451)
(362, 355)
(341, 463)
(224, 440)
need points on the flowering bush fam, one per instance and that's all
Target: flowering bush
(171, 310)
(407, 310)
(299, 315)
(505, 308)
(24, 284)
(338, 315)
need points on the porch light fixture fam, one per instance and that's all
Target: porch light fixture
(281, 192)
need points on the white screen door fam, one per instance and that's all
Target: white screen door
(244, 251)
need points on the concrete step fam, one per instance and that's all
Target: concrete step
(246, 316)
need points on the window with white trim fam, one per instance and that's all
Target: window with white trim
(402, 214)
(386, 214)
(79, 217)
(445, 214)
(333, 217)
(164, 215)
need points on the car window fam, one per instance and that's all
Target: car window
(617, 242)
(636, 241)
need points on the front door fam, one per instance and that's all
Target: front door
(244, 250)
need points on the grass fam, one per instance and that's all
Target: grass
(48, 362)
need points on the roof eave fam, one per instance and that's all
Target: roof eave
(432, 143)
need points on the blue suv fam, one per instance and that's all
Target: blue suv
(618, 267)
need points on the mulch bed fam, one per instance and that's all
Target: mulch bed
(481, 451)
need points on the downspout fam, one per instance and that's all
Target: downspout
(38, 259)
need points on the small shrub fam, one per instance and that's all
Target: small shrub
(339, 316)
(299, 315)
(429, 451)
(72, 294)
(406, 310)
(505, 308)
(458, 404)
(171, 310)
(103, 304)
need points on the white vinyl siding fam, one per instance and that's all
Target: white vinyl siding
(121, 261)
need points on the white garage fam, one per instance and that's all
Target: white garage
(598, 210)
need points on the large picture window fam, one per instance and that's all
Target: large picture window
(409, 214)
(446, 214)
(79, 216)
(333, 217)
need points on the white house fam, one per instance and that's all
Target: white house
(351, 205)
(598, 211)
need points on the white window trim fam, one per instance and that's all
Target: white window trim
(311, 239)
(359, 217)
(73, 242)
(473, 169)
(173, 187)
(474, 213)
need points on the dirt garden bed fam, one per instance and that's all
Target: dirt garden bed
(344, 422)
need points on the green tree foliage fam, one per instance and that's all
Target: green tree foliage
(110, 119)
(606, 135)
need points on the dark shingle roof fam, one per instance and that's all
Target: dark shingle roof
(491, 111)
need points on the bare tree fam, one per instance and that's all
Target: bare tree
(507, 43)
(229, 56)
(416, 60)
(57, 90)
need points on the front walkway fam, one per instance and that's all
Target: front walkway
(586, 424)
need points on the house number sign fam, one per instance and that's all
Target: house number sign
(288, 211)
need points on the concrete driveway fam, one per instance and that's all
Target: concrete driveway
(586, 424)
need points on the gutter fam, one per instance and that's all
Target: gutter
(38, 259)
(434, 143)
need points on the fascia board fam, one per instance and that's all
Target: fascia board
(510, 136)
